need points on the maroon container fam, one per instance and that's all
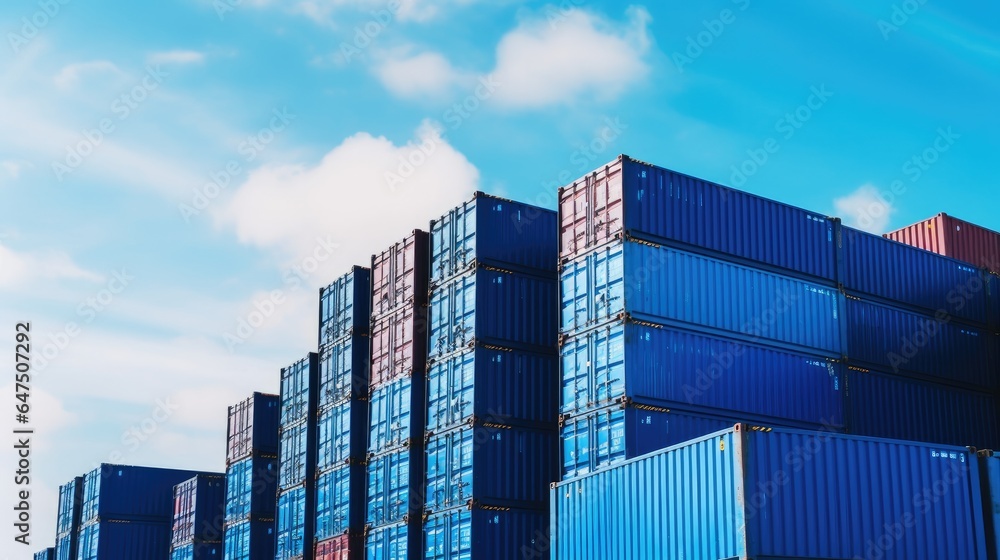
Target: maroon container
(344, 547)
(399, 345)
(590, 211)
(253, 428)
(399, 275)
(954, 238)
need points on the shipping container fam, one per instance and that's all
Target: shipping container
(887, 406)
(398, 346)
(343, 370)
(340, 501)
(497, 232)
(776, 494)
(119, 492)
(197, 551)
(70, 504)
(125, 540)
(47, 554)
(397, 415)
(392, 542)
(494, 384)
(66, 545)
(294, 526)
(491, 464)
(400, 275)
(250, 540)
(661, 285)
(299, 390)
(905, 343)
(253, 427)
(989, 468)
(486, 534)
(993, 287)
(685, 370)
(343, 435)
(345, 306)
(494, 307)
(343, 547)
(396, 487)
(905, 275)
(251, 487)
(298, 454)
(628, 198)
(199, 510)
(954, 238)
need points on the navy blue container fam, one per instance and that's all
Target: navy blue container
(197, 551)
(253, 428)
(905, 275)
(395, 487)
(663, 285)
(993, 289)
(486, 534)
(397, 415)
(340, 501)
(496, 232)
(497, 385)
(299, 390)
(989, 467)
(295, 524)
(47, 554)
(886, 406)
(392, 542)
(125, 540)
(684, 370)
(66, 545)
(119, 492)
(343, 435)
(628, 198)
(199, 511)
(886, 338)
(491, 465)
(298, 454)
(250, 540)
(344, 370)
(68, 516)
(251, 487)
(345, 306)
(495, 307)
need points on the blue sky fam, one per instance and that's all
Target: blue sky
(168, 170)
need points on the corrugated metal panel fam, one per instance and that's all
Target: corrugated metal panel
(993, 287)
(343, 547)
(883, 268)
(250, 540)
(298, 449)
(486, 534)
(253, 427)
(70, 502)
(892, 407)
(391, 542)
(661, 284)
(340, 501)
(886, 337)
(490, 464)
(398, 345)
(343, 370)
(66, 545)
(397, 412)
(199, 509)
(47, 554)
(989, 463)
(494, 231)
(494, 307)
(494, 384)
(299, 389)
(131, 493)
(292, 525)
(125, 540)
(197, 551)
(343, 435)
(681, 369)
(251, 487)
(395, 487)
(345, 306)
(955, 238)
(777, 494)
(400, 275)
(627, 197)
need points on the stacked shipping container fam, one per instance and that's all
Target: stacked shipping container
(397, 400)
(251, 478)
(954, 238)
(68, 519)
(296, 516)
(199, 516)
(342, 418)
(492, 380)
(47, 554)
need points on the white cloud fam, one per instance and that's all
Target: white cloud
(12, 169)
(865, 209)
(19, 269)
(322, 11)
(70, 76)
(427, 74)
(176, 57)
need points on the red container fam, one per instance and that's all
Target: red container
(253, 428)
(399, 345)
(590, 211)
(399, 275)
(344, 547)
(954, 238)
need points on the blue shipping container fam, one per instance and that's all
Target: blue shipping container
(989, 467)
(345, 306)
(496, 232)
(340, 502)
(47, 554)
(397, 415)
(197, 551)
(66, 545)
(251, 487)
(342, 433)
(681, 369)
(199, 510)
(298, 454)
(487, 534)
(122, 492)
(396, 487)
(391, 542)
(70, 504)
(491, 464)
(494, 307)
(777, 494)
(497, 385)
(293, 526)
(659, 284)
(253, 428)
(993, 287)
(876, 266)
(299, 390)
(250, 540)
(125, 540)
(344, 370)
(886, 406)
(887, 337)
